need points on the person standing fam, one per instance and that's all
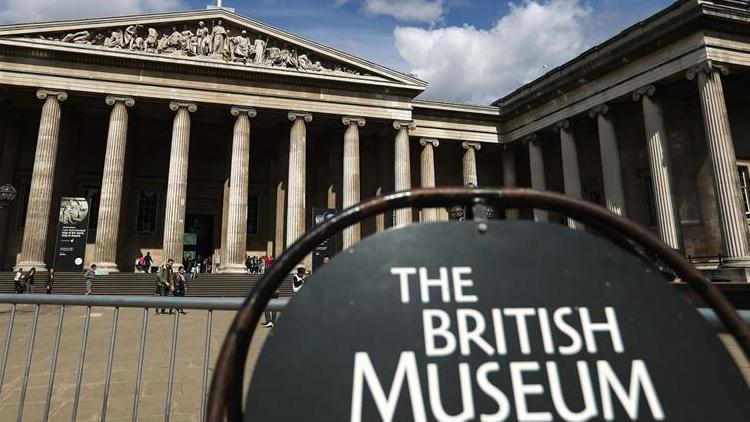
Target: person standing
(298, 280)
(88, 277)
(270, 316)
(164, 282)
(50, 280)
(29, 280)
(18, 288)
(181, 283)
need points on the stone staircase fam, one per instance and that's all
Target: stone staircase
(205, 285)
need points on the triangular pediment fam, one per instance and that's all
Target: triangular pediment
(212, 37)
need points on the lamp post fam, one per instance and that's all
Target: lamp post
(7, 195)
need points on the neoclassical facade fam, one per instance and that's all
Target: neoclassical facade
(206, 132)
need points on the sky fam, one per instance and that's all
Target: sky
(469, 51)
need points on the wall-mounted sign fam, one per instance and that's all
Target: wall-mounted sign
(72, 233)
(518, 322)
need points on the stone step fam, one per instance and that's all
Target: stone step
(205, 285)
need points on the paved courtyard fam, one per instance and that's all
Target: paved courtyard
(188, 368)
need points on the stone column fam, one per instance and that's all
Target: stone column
(614, 194)
(351, 183)
(295, 211)
(427, 173)
(233, 260)
(571, 171)
(42, 182)
(658, 155)
(723, 162)
(174, 217)
(380, 218)
(536, 168)
(110, 203)
(402, 166)
(470, 162)
(509, 176)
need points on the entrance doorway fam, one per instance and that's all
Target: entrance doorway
(199, 235)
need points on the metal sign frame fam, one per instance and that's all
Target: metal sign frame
(225, 398)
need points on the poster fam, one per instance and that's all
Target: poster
(72, 234)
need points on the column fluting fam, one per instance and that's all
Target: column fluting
(609, 151)
(536, 170)
(174, 216)
(42, 181)
(658, 154)
(295, 212)
(351, 180)
(509, 176)
(239, 181)
(571, 170)
(110, 202)
(402, 167)
(470, 163)
(724, 163)
(427, 173)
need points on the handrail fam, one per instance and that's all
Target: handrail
(198, 303)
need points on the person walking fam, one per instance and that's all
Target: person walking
(270, 316)
(164, 282)
(181, 284)
(88, 277)
(147, 262)
(29, 280)
(18, 288)
(50, 280)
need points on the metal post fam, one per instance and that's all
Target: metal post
(206, 355)
(53, 366)
(170, 378)
(108, 375)
(26, 371)
(141, 352)
(84, 339)
(7, 345)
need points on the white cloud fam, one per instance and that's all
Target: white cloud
(473, 65)
(46, 10)
(406, 10)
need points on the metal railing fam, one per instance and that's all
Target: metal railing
(146, 303)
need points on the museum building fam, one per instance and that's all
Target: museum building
(206, 132)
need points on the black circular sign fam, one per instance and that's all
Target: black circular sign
(498, 321)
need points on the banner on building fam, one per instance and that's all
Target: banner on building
(72, 233)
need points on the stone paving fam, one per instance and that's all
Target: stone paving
(188, 364)
(188, 368)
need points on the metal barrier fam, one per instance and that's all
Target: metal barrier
(114, 302)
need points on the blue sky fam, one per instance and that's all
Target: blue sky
(493, 46)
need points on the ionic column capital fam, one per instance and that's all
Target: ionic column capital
(43, 93)
(112, 99)
(707, 68)
(561, 125)
(353, 120)
(648, 90)
(294, 115)
(600, 109)
(237, 110)
(434, 142)
(474, 145)
(407, 124)
(531, 138)
(508, 146)
(176, 105)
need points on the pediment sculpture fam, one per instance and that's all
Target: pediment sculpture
(217, 42)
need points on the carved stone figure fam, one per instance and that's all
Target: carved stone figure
(259, 47)
(214, 44)
(218, 38)
(241, 47)
(114, 40)
(202, 39)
